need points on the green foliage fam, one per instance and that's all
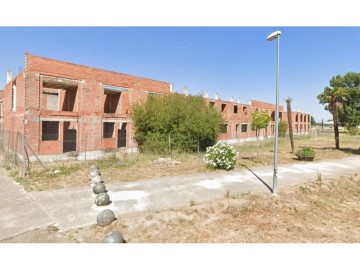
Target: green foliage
(259, 119)
(353, 131)
(221, 156)
(313, 122)
(342, 100)
(306, 151)
(283, 126)
(187, 120)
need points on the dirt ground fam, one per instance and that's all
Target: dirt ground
(321, 211)
(128, 168)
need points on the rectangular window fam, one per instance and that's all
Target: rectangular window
(224, 128)
(244, 110)
(50, 130)
(112, 102)
(108, 131)
(223, 106)
(235, 109)
(244, 127)
(52, 101)
(211, 104)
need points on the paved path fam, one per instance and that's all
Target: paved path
(73, 208)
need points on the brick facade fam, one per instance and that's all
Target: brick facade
(65, 108)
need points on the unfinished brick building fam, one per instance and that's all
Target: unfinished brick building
(65, 109)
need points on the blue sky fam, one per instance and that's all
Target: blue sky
(230, 61)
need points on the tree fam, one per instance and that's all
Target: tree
(186, 120)
(259, 120)
(291, 134)
(349, 113)
(283, 126)
(333, 98)
(313, 122)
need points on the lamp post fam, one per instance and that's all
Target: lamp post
(272, 36)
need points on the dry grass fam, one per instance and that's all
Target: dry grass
(142, 166)
(322, 211)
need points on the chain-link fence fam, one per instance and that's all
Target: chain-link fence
(12, 148)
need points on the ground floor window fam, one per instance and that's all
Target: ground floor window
(224, 128)
(50, 130)
(108, 131)
(244, 127)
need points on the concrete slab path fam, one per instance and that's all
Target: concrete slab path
(66, 209)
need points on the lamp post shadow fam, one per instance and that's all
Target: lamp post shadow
(262, 181)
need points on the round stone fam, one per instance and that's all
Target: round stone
(114, 237)
(105, 217)
(93, 167)
(96, 179)
(95, 172)
(102, 199)
(99, 188)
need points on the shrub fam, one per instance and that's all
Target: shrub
(306, 152)
(221, 156)
(353, 131)
(283, 126)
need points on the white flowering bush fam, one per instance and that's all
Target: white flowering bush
(221, 156)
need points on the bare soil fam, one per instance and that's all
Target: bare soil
(128, 168)
(322, 211)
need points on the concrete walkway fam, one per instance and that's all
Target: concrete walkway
(21, 211)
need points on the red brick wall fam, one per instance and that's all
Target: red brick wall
(89, 103)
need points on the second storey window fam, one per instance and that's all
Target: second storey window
(52, 101)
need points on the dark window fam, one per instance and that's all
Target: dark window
(223, 106)
(112, 102)
(224, 128)
(235, 109)
(244, 127)
(211, 104)
(245, 110)
(108, 130)
(50, 130)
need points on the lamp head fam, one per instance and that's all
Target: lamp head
(273, 35)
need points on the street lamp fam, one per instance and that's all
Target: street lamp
(272, 36)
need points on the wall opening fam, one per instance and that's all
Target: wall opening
(122, 136)
(223, 107)
(224, 128)
(108, 130)
(60, 94)
(52, 101)
(50, 130)
(244, 128)
(235, 109)
(111, 103)
(69, 142)
(244, 110)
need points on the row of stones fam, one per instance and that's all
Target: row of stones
(107, 216)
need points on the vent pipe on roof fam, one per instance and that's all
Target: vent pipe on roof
(8, 76)
(186, 91)
(231, 99)
(206, 95)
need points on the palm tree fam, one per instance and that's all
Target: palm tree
(333, 97)
(291, 135)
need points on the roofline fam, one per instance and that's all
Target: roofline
(79, 65)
